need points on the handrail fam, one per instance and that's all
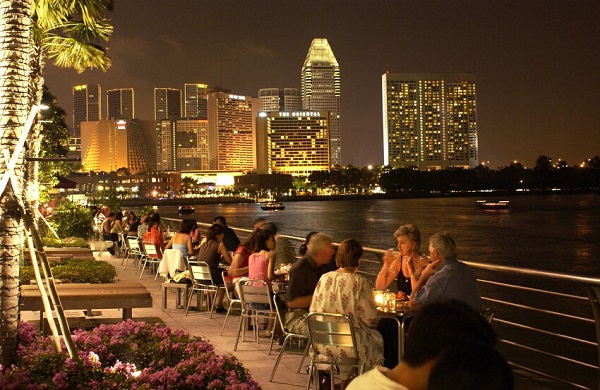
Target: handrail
(532, 334)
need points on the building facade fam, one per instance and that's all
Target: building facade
(231, 132)
(429, 120)
(279, 99)
(120, 103)
(167, 103)
(191, 144)
(87, 106)
(195, 101)
(293, 142)
(321, 90)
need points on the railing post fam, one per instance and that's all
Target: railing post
(594, 297)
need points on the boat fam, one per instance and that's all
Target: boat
(499, 205)
(186, 210)
(273, 206)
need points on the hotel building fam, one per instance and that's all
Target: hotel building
(320, 77)
(429, 120)
(279, 99)
(295, 143)
(120, 103)
(231, 132)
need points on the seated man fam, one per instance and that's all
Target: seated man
(437, 329)
(304, 276)
(445, 278)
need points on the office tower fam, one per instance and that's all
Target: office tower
(231, 131)
(107, 145)
(321, 91)
(167, 104)
(293, 142)
(429, 120)
(195, 101)
(279, 99)
(165, 153)
(191, 144)
(87, 106)
(120, 103)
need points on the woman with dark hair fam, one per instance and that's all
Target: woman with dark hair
(132, 224)
(154, 235)
(213, 251)
(182, 239)
(239, 264)
(346, 292)
(261, 265)
(304, 246)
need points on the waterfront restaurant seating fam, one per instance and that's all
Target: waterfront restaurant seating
(254, 293)
(229, 291)
(328, 330)
(151, 256)
(289, 338)
(133, 250)
(202, 285)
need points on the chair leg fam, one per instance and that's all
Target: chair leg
(311, 372)
(189, 301)
(212, 304)
(226, 317)
(304, 355)
(143, 268)
(285, 342)
(237, 338)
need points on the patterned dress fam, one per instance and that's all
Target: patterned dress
(351, 294)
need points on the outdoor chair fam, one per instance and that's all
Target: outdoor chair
(289, 338)
(202, 284)
(327, 332)
(151, 256)
(106, 243)
(133, 250)
(230, 293)
(253, 292)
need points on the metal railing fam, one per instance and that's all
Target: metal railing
(548, 323)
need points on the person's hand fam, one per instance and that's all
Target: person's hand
(430, 269)
(389, 256)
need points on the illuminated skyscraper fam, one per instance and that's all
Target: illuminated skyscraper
(279, 99)
(87, 106)
(429, 120)
(195, 101)
(293, 142)
(167, 104)
(231, 132)
(183, 145)
(321, 90)
(120, 103)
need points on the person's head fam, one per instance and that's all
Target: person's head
(442, 246)
(442, 326)
(187, 225)
(265, 240)
(215, 232)
(259, 223)
(304, 246)
(320, 248)
(131, 217)
(270, 226)
(250, 243)
(409, 239)
(156, 216)
(112, 215)
(220, 220)
(153, 223)
(471, 367)
(348, 254)
(119, 215)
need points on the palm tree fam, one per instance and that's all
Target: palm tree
(30, 31)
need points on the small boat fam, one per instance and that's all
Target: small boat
(499, 205)
(186, 210)
(273, 206)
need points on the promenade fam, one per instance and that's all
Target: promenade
(254, 357)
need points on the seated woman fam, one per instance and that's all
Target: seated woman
(407, 264)
(154, 235)
(261, 265)
(239, 264)
(132, 225)
(115, 229)
(345, 292)
(213, 251)
(182, 239)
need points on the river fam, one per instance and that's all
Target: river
(556, 233)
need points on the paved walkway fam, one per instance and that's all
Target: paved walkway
(254, 356)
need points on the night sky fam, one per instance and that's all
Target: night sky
(537, 63)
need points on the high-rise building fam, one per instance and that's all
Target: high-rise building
(87, 106)
(167, 104)
(120, 103)
(107, 145)
(292, 142)
(429, 120)
(231, 132)
(279, 99)
(195, 101)
(321, 90)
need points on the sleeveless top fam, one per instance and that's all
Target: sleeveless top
(403, 283)
(258, 267)
(183, 248)
(209, 252)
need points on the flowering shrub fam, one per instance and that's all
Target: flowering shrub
(129, 355)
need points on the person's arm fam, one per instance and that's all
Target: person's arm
(235, 269)
(224, 253)
(389, 271)
(190, 247)
(170, 243)
(302, 302)
(271, 265)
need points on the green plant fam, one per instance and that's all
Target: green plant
(72, 220)
(75, 271)
(69, 242)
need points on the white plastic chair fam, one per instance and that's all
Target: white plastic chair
(202, 284)
(251, 292)
(151, 256)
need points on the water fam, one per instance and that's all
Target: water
(556, 233)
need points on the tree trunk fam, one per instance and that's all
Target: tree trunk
(15, 105)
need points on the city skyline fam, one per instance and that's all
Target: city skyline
(536, 63)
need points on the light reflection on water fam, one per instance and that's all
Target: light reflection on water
(556, 233)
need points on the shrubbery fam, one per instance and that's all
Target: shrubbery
(129, 355)
(69, 242)
(72, 220)
(75, 271)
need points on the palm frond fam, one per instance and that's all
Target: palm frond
(71, 53)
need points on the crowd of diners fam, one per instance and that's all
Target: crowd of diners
(449, 345)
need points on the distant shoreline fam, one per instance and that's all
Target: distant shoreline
(307, 198)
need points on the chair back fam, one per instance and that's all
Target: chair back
(229, 289)
(200, 272)
(133, 244)
(150, 250)
(255, 291)
(328, 329)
